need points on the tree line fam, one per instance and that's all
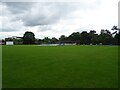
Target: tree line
(87, 38)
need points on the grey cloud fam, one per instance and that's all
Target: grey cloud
(19, 7)
(47, 13)
(40, 13)
(43, 13)
(8, 30)
(43, 28)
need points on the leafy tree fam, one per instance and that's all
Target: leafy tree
(105, 37)
(18, 41)
(117, 39)
(29, 38)
(93, 37)
(8, 39)
(54, 40)
(63, 38)
(47, 40)
(75, 37)
(115, 28)
(38, 41)
(85, 38)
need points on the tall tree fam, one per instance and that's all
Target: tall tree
(84, 38)
(105, 37)
(93, 37)
(75, 37)
(47, 40)
(117, 39)
(54, 40)
(29, 38)
(62, 38)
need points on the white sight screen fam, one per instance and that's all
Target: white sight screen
(9, 43)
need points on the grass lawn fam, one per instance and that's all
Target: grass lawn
(60, 66)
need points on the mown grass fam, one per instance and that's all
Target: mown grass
(60, 66)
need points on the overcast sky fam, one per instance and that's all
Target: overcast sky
(53, 19)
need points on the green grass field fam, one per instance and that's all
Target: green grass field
(60, 66)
